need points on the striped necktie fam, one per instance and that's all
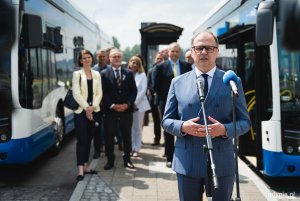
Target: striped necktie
(118, 77)
(205, 84)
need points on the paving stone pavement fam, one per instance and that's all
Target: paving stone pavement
(151, 180)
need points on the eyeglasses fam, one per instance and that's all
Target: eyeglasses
(208, 49)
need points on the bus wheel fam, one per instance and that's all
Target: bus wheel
(58, 127)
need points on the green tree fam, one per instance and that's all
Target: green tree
(136, 49)
(129, 52)
(116, 42)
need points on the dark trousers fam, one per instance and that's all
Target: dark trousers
(169, 146)
(192, 188)
(169, 142)
(84, 130)
(157, 122)
(114, 123)
(99, 132)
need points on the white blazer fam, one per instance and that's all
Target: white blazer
(141, 100)
(80, 90)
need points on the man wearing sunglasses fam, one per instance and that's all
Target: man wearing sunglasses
(183, 118)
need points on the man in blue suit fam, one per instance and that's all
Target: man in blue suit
(183, 118)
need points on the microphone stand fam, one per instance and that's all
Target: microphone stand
(210, 165)
(237, 179)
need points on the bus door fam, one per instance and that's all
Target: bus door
(252, 65)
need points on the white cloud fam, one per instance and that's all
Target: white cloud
(122, 18)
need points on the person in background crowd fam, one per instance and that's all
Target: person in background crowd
(99, 131)
(146, 116)
(162, 77)
(118, 138)
(107, 50)
(152, 97)
(188, 57)
(87, 91)
(183, 118)
(120, 92)
(141, 103)
(165, 53)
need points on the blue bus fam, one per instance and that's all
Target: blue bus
(271, 79)
(38, 71)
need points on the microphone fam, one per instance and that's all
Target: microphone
(231, 79)
(200, 84)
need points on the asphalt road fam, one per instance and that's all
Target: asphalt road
(47, 178)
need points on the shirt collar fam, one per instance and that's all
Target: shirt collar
(114, 68)
(172, 62)
(209, 73)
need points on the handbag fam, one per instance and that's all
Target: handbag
(69, 101)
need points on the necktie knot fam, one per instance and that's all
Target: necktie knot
(204, 76)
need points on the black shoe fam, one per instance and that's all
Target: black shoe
(128, 164)
(91, 172)
(108, 166)
(95, 156)
(80, 178)
(155, 143)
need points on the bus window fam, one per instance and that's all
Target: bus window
(52, 71)
(249, 66)
(227, 59)
(37, 79)
(289, 75)
(25, 80)
(44, 67)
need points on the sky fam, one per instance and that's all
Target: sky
(122, 18)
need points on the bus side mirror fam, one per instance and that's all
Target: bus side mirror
(290, 18)
(33, 31)
(264, 23)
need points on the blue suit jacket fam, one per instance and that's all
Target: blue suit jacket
(183, 104)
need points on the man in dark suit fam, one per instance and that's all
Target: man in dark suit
(162, 77)
(152, 97)
(119, 94)
(183, 118)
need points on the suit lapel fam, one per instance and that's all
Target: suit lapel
(94, 80)
(112, 75)
(215, 85)
(82, 79)
(168, 69)
(190, 85)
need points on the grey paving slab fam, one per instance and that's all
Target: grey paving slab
(151, 179)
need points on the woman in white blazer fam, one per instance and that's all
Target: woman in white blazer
(141, 103)
(87, 91)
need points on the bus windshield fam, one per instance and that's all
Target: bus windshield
(289, 74)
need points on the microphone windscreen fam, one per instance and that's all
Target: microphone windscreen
(230, 75)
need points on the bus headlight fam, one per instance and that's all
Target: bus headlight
(3, 137)
(289, 149)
